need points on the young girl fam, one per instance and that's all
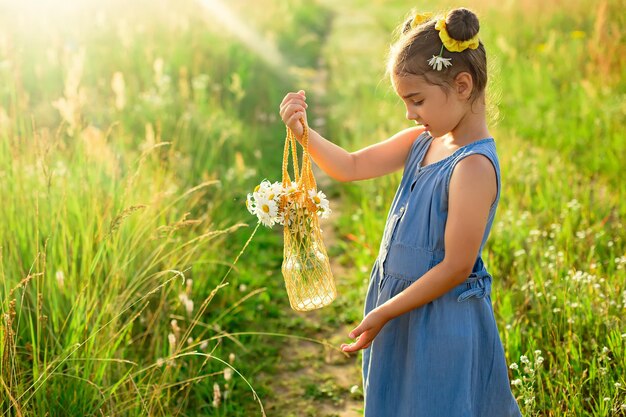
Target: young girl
(430, 340)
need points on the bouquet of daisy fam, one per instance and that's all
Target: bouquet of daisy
(298, 206)
(274, 202)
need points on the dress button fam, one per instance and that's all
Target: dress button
(401, 209)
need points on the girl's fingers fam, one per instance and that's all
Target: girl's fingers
(292, 96)
(361, 343)
(289, 110)
(300, 103)
(294, 120)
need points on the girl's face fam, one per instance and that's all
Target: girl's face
(438, 110)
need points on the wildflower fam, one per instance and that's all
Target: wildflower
(514, 366)
(266, 211)
(228, 374)
(204, 345)
(516, 382)
(60, 278)
(172, 340)
(189, 306)
(231, 358)
(439, 62)
(320, 201)
(524, 359)
(119, 88)
(217, 395)
(175, 327)
(251, 204)
(160, 362)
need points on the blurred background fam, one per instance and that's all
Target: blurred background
(131, 132)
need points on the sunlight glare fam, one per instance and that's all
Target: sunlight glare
(264, 49)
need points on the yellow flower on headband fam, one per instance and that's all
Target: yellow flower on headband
(453, 45)
(420, 18)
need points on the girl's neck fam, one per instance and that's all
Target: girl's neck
(471, 127)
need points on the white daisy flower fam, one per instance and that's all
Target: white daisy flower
(266, 211)
(322, 203)
(438, 62)
(251, 204)
(290, 188)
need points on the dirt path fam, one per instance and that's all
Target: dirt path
(314, 379)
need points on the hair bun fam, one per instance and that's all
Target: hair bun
(462, 24)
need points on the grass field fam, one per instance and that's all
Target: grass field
(130, 135)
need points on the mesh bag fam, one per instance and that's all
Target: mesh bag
(308, 278)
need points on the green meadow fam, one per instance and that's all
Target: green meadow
(134, 282)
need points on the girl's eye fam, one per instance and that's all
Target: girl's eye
(418, 103)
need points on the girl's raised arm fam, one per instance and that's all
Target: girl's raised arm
(372, 161)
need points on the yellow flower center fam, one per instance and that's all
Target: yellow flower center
(316, 199)
(266, 208)
(271, 196)
(257, 188)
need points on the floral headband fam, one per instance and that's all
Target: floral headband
(438, 61)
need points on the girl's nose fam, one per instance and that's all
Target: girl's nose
(411, 115)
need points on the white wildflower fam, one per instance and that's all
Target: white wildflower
(516, 382)
(266, 210)
(228, 374)
(189, 306)
(60, 279)
(321, 202)
(217, 395)
(175, 327)
(524, 359)
(514, 366)
(439, 62)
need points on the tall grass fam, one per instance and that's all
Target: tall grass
(128, 135)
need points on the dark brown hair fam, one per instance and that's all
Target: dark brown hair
(409, 55)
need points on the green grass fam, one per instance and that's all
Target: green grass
(129, 139)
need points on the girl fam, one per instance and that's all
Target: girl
(430, 340)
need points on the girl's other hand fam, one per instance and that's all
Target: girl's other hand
(365, 332)
(292, 109)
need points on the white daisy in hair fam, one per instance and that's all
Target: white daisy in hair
(266, 210)
(438, 62)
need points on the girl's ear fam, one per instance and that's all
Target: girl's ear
(463, 85)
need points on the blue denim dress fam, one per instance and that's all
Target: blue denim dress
(445, 358)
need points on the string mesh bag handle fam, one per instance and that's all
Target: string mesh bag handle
(306, 268)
